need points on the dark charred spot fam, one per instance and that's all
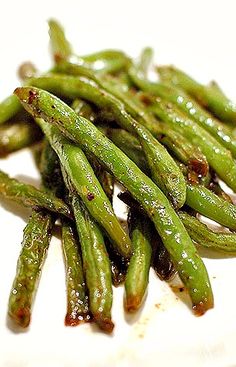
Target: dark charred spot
(132, 303)
(162, 136)
(90, 196)
(32, 96)
(22, 317)
(199, 166)
(146, 100)
(200, 308)
(105, 323)
(57, 58)
(193, 177)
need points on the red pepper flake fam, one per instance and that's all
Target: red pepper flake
(90, 196)
(32, 95)
(198, 166)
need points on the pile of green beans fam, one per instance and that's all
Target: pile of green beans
(167, 143)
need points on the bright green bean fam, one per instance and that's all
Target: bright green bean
(204, 236)
(205, 202)
(211, 98)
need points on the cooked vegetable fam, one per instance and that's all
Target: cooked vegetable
(37, 235)
(15, 135)
(138, 271)
(28, 195)
(211, 98)
(96, 266)
(77, 167)
(42, 104)
(77, 299)
(36, 239)
(189, 106)
(219, 158)
(204, 236)
(101, 125)
(164, 170)
(9, 108)
(205, 202)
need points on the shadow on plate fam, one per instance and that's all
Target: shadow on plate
(16, 209)
(211, 254)
(28, 180)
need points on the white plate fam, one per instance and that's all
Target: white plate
(197, 36)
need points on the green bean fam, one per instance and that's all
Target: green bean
(107, 182)
(136, 281)
(177, 144)
(60, 46)
(36, 239)
(83, 109)
(185, 151)
(96, 266)
(215, 187)
(199, 198)
(37, 235)
(205, 237)
(26, 70)
(118, 262)
(36, 151)
(101, 63)
(145, 60)
(211, 98)
(161, 261)
(205, 202)
(77, 299)
(219, 158)
(28, 195)
(164, 170)
(172, 139)
(215, 86)
(106, 61)
(105, 178)
(50, 170)
(15, 135)
(191, 108)
(87, 186)
(9, 108)
(129, 145)
(119, 266)
(174, 236)
(115, 88)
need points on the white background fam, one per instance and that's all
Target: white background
(198, 36)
